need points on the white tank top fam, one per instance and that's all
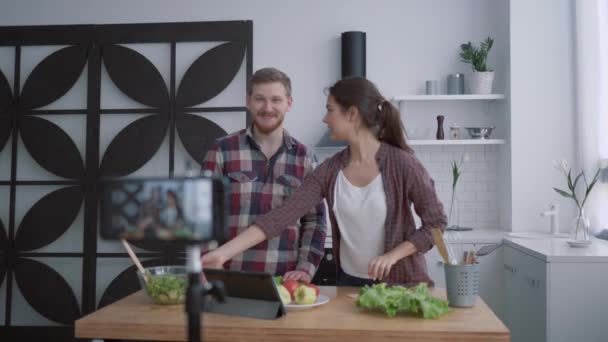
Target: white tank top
(360, 213)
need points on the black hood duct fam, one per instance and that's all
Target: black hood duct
(353, 54)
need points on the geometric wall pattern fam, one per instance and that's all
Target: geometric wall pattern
(82, 103)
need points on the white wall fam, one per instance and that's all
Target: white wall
(542, 107)
(408, 42)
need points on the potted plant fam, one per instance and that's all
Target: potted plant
(481, 79)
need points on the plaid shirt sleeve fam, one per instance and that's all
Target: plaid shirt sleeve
(312, 232)
(421, 191)
(213, 160)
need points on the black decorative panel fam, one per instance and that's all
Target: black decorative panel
(50, 295)
(171, 111)
(46, 221)
(6, 103)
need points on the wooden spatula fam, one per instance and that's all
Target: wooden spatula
(443, 249)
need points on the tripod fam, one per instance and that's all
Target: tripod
(196, 293)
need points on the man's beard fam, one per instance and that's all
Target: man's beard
(268, 129)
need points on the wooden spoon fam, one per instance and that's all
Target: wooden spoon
(140, 267)
(441, 247)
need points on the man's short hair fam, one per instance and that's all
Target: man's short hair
(270, 75)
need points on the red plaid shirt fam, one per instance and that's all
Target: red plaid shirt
(405, 181)
(257, 185)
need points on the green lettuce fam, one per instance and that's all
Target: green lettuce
(167, 288)
(395, 299)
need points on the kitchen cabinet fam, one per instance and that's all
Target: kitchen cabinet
(555, 293)
(525, 293)
(491, 283)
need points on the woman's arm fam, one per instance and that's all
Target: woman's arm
(272, 223)
(380, 266)
(247, 239)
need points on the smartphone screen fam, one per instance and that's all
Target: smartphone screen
(164, 209)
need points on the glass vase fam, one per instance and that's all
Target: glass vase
(454, 213)
(580, 227)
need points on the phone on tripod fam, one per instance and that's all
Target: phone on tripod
(181, 210)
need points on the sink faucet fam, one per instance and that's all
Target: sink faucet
(552, 213)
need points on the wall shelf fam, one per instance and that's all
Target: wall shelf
(448, 97)
(457, 142)
(330, 150)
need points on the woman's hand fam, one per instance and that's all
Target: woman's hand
(298, 275)
(380, 266)
(214, 259)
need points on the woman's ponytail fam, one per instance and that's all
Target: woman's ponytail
(391, 127)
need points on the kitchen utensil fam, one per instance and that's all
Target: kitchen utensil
(321, 299)
(441, 247)
(455, 84)
(462, 284)
(140, 267)
(485, 250)
(432, 87)
(480, 132)
(453, 241)
(440, 135)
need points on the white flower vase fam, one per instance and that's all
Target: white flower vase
(580, 227)
(480, 82)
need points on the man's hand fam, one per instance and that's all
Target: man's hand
(380, 266)
(298, 275)
(214, 259)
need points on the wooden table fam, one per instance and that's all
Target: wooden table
(135, 318)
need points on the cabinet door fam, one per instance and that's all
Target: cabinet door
(526, 296)
(513, 297)
(491, 282)
(534, 290)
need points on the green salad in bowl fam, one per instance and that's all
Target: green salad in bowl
(166, 284)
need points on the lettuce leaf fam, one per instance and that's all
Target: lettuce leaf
(395, 299)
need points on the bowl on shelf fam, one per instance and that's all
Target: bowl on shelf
(166, 284)
(480, 132)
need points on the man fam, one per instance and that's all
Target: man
(264, 165)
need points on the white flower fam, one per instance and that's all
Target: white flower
(604, 163)
(562, 166)
(565, 167)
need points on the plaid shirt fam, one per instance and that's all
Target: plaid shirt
(405, 181)
(258, 185)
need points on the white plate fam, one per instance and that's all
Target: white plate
(578, 243)
(321, 299)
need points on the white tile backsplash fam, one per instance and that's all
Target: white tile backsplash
(477, 185)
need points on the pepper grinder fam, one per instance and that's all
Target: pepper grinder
(440, 134)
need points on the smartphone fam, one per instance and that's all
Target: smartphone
(183, 210)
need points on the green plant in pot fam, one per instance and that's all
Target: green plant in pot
(481, 79)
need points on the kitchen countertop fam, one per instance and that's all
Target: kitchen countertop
(548, 250)
(477, 236)
(557, 250)
(135, 317)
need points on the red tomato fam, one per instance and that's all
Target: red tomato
(291, 285)
(314, 287)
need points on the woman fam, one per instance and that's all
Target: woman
(369, 188)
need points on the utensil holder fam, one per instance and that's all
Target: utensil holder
(462, 284)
